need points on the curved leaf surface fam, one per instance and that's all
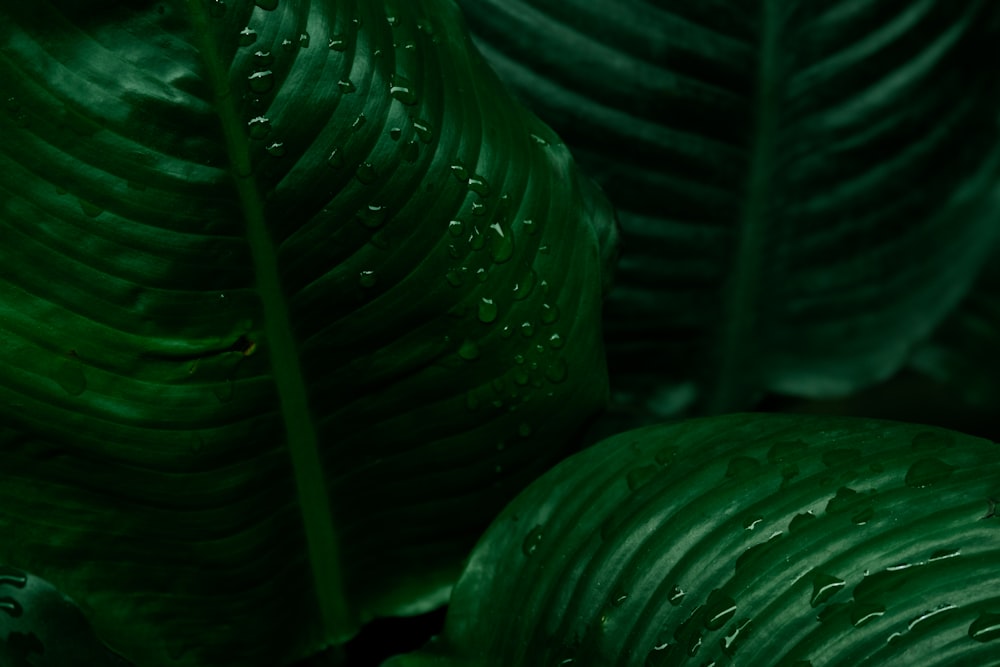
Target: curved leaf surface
(293, 299)
(744, 539)
(805, 189)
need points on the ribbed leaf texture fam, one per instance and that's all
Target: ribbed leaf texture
(805, 188)
(293, 298)
(744, 540)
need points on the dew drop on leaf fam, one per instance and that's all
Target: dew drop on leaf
(524, 429)
(639, 477)
(366, 173)
(358, 122)
(455, 228)
(247, 36)
(530, 227)
(10, 576)
(557, 371)
(863, 613)
(527, 329)
(259, 127)
(337, 43)
(927, 472)
(501, 244)
(555, 341)
(676, 595)
(524, 286)
(276, 149)
(335, 159)
(459, 171)
(90, 210)
(550, 313)
(985, 628)
(423, 130)
(11, 607)
(719, 608)
(479, 185)
(532, 541)
(487, 311)
(304, 40)
(468, 350)
(367, 279)
(261, 82)
(402, 89)
(825, 586)
(346, 86)
(454, 277)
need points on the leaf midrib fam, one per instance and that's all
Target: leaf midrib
(286, 366)
(742, 293)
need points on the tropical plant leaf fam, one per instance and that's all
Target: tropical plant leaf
(293, 299)
(743, 539)
(964, 352)
(805, 188)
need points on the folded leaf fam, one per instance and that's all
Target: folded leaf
(293, 298)
(805, 188)
(744, 539)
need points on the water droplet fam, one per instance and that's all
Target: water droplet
(261, 82)
(537, 139)
(532, 541)
(371, 216)
(90, 210)
(529, 226)
(736, 637)
(11, 606)
(524, 286)
(863, 613)
(501, 245)
(335, 159)
(423, 130)
(346, 86)
(527, 329)
(675, 596)
(395, 133)
(217, 8)
(719, 608)
(304, 40)
(247, 36)
(455, 228)
(487, 312)
(411, 151)
(524, 429)
(638, 477)
(468, 350)
(70, 377)
(742, 465)
(927, 472)
(556, 341)
(268, 5)
(276, 149)
(825, 586)
(751, 522)
(337, 43)
(259, 127)
(366, 173)
(288, 45)
(941, 554)
(10, 576)
(358, 122)
(928, 441)
(985, 628)
(367, 278)
(479, 185)
(557, 371)
(402, 89)
(478, 208)
(455, 277)
(459, 171)
(482, 274)
(930, 613)
(550, 313)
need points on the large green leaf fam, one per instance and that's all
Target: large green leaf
(743, 539)
(805, 187)
(293, 299)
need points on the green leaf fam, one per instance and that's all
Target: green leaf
(743, 539)
(964, 352)
(293, 298)
(805, 188)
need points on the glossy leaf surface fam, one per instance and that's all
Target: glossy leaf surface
(805, 188)
(743, 539)
(293, 298)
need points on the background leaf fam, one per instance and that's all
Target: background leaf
(751, 539)
(805, 188)
(291, 295)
